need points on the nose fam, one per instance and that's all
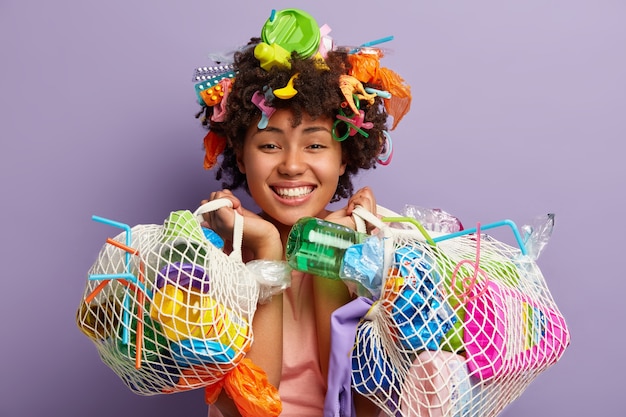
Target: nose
(293, 163)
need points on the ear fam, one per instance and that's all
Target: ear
(342, 168)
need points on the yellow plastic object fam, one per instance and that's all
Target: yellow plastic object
(287, 91)
(177, 310)
(187, 313)
(272, 55)
(221, 323)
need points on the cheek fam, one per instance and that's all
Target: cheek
(340, 165)
(249, 165)
(332, 171)
(256, 171)
(342, 169)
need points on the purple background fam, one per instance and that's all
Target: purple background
(518, 109)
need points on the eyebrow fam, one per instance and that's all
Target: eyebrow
(310, 129)
(313, 129)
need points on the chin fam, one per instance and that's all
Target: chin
(289, 216)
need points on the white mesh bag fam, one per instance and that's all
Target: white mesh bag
(462, 325)
(167, 309)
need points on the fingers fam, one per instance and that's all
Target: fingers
(364, 198)
(221, 220)
(223, 194)
(227, 194)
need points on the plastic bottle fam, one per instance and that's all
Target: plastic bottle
(317, 246)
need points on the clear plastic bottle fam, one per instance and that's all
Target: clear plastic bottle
(317, 246)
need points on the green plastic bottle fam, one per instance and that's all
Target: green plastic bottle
(317, 246)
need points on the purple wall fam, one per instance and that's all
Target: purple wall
(518, 109)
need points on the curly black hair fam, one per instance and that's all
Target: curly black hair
(318, 95)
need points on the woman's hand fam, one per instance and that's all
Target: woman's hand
(363, 197)
(260, 237)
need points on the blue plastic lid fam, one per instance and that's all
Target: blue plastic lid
(213, 237)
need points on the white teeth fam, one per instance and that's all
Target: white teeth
(293, 192)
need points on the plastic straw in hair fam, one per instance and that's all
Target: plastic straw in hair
(372, 43)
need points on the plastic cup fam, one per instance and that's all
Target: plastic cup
(185, 275)
(200, 352)
(294, 30)
(182, 223)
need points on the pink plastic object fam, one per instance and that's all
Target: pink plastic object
(258, 99)
(506, 333)
(437, 385)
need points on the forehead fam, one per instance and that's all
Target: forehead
(286, 117)
(285, 121)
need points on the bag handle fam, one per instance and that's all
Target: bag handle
(388, 216)
(217, 204)
(361, 215)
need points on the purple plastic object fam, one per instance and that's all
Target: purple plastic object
(184, 274)
(344, 322)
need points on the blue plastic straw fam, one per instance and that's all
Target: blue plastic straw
(380, 93)
(120, 226)
(372, 43)
(507, 222)
(126, 319)
(126, 314)
(127, 275)
(377, 41)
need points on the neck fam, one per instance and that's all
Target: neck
(284, 229)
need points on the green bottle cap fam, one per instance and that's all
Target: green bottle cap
(294, 30)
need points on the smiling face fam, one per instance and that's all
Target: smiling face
(292, 172)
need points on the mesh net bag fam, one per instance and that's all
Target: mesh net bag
(167, 309)
(462, 325)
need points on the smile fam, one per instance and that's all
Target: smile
(295, 192)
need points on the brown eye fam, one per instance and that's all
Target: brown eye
(268, 146)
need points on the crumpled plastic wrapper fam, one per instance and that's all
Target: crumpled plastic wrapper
(363, 263)
(434, 220)
(273, 276)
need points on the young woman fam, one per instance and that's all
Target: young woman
(294, 153)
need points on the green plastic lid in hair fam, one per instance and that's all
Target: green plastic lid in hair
(294, 30)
